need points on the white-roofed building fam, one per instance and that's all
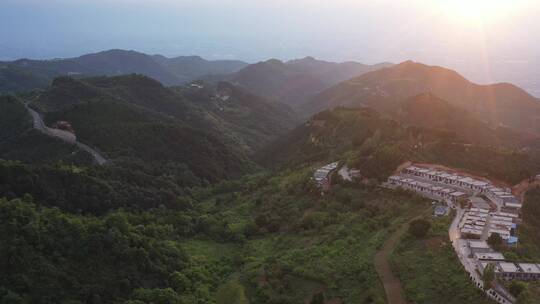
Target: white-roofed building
(479, 247)
(529, 271)
(489, 256)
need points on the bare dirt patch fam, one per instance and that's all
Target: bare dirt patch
(434, 243)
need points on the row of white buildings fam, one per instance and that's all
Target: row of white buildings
(513, 271)
(426, 188)
(322, 175)
(502, 197)
(484, 255)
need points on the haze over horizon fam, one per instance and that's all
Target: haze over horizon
(486, 41)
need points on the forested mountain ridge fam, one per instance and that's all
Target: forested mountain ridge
(377, 144)
(244, 119)
(251, 119)
(429, 111)
(189, 68)
(498, 104)
(293, 82)
(27, 74)
(20, 141)
(136, 117)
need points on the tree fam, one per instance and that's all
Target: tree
(488, 276)
(495, 240)
(524, 298)
(419, 228)
(517, 287)
(157, 296)
(231, 293)
(317, 299)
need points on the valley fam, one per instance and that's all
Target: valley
(277, 182)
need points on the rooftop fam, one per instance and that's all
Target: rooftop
(489, 256)
(477, 199)
(412, 168)
(507, 267)
(479, 244)
(529, 268)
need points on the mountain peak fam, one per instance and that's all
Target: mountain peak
(273, 61)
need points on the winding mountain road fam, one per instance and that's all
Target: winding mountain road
(65, 136)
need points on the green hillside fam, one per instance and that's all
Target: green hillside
(19, 141)
(377, 145)
(280, 240)
(133, 119)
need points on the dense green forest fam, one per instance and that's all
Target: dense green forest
(18, 139)
(276, 236)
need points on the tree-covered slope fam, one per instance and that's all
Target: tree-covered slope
(19, 141)
(295, 81)
(429, 111)
(251, 120)
(377, 145)
(135, 117)
(499, 104)
(275, 236)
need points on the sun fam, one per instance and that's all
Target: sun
(476, 11)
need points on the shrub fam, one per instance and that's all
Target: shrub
(419, 228)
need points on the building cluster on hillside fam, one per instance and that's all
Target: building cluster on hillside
(500, 215)
(484, 255)
(473, 223)
(426, 188)
(476, 223)
(322, 175)
(451, 187)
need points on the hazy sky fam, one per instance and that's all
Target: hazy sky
(505, 44)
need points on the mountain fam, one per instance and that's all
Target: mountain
(377, 144)
(251, 119)
(189, 68)
(428, 111)
(499, 104)
(294, 81)
(211, 129)
(27, 74)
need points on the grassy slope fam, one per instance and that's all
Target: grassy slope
(430, 271)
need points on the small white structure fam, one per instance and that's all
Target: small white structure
(479, 247)
(322, 175)
(489, 256)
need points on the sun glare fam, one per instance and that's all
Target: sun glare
(477, 11)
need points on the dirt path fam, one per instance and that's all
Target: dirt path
(391, 283)
(522, 187)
